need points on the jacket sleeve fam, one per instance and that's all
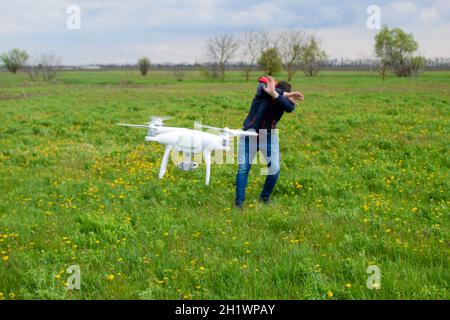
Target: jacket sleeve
(285, 103)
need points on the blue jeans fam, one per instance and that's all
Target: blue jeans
(248, 147)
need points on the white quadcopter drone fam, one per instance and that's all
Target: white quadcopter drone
(189, 142)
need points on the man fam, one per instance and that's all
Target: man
(268, 106)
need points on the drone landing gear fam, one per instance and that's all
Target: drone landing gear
(164, 161)
(207, 157)
(187, 164)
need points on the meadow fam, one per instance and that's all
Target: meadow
(364, 181)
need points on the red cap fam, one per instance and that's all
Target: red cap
(263, 80)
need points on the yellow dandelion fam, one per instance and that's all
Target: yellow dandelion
(348, 285)
(110, 277)
(5, 258)
(330, 294)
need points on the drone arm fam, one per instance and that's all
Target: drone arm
(164, 161)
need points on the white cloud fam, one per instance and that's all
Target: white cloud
(263, 14)
(429, 16)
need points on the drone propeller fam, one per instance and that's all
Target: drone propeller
(155, 121)
(158, 121)
(232, 131)
(145, 126)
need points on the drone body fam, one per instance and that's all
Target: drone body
(189, 142)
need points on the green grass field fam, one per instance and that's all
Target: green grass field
(364, 181)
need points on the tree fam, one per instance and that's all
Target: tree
(14, 60)
(144, 65)
(221, 50)
(270, 61)
(291, 50)
(313, 57)
(394, 48)
(383, 47)
(249, 52)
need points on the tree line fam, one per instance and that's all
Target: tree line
(293, 50)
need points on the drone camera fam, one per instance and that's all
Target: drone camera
(151, 132)
(187, 165)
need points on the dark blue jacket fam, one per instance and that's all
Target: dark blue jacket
(266, 112)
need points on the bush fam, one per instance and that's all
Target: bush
(178, 73)
(144, 65)
(417, 66)
(45, 65)
(210, 72)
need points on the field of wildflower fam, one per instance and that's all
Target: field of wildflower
(364, 182)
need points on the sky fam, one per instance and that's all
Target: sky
(118, 31)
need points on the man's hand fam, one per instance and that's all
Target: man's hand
(294, 97)
(270, 88)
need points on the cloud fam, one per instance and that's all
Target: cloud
(429, 16)
(172, 30)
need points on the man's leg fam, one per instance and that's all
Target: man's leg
(271, 150)
(246, 153)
